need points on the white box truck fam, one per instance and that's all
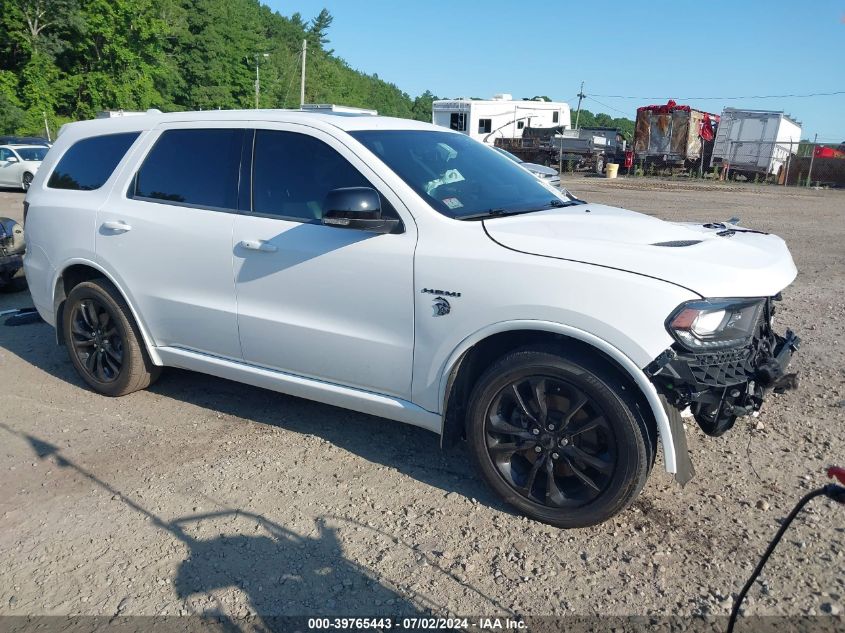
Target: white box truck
(755, 142)
(499, 117)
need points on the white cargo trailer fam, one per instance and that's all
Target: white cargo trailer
(499, 117)
(755, 141)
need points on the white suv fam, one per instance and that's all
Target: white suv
(406, 271)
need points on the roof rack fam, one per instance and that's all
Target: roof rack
(332, 108)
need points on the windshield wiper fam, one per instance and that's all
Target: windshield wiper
(490, 213)
(498, 213)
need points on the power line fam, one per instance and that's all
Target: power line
(789, 96)
(604, 105)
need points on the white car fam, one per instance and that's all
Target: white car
(406, 271)
(542, 173)
(19, 164)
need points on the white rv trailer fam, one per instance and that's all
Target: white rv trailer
(755, 141)
(499, 117)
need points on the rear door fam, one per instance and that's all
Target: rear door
(166, 233)
(324, 302)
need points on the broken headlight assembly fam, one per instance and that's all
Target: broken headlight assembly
(714, 324)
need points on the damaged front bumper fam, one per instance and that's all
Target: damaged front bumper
(720, 386)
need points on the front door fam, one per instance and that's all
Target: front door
(328, 303)
(10, 172)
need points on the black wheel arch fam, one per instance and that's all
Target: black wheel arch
(472, 364)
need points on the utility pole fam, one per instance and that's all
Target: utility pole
(302, 79)
(258, 77)
(812, 158)
(47, 127)
(581, 95)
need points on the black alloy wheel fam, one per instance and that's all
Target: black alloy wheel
(550, 441)
(560, 435)
(26, 181)
(103, 341)
(96, 340)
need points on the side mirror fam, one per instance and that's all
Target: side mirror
(12, 159)
(356, 208)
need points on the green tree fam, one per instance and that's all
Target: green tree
(320, 27)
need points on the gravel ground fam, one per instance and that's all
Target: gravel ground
(207, 496)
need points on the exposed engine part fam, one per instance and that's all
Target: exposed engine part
(12, 247)
(11, 238)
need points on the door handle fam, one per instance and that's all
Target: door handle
(258, 245)
(117, 226)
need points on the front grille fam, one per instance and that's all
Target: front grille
(721, 369)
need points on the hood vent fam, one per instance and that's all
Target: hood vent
(677, 243)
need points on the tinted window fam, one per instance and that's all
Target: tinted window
(89, 163)
(292, 173)
(193, 167)
(485, 125)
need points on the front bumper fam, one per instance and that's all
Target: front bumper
(721, 386)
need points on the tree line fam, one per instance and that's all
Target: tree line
(64, 60)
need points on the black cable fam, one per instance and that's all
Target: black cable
(832, 491)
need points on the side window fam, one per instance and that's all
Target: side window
(293, 173)
(5, 154)
(485, 126)
(520, 125)
(555, 116)
(195, 167)
(458, 121)
(89, 163)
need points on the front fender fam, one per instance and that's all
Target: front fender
(675, 454)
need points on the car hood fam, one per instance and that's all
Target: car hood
(713, 260)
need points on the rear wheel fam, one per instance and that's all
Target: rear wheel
(26, 181)
(556, 439)
(103, 341)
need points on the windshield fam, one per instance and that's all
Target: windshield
(460, 177)
(32, 153)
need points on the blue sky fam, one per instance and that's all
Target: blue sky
(693, 49)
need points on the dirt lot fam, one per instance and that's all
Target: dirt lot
(206, 496)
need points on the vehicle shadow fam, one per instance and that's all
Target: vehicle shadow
(409, 450)
(276, 568)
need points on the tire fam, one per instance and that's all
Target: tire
(96, 318)
(594, 459)
(26, 181)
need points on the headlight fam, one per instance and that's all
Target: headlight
(715, 323)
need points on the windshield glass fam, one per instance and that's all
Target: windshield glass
(459, 177)
(32, 153)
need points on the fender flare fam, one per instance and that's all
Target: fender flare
(79, 261)
(675, 454)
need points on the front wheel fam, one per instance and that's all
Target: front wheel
(556, 439)
(26, 181)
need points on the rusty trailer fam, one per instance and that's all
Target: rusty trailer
(672, 136)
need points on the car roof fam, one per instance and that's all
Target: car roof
(341, 120)
(22, 146)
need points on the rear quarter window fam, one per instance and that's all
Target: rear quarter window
(89, 163)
